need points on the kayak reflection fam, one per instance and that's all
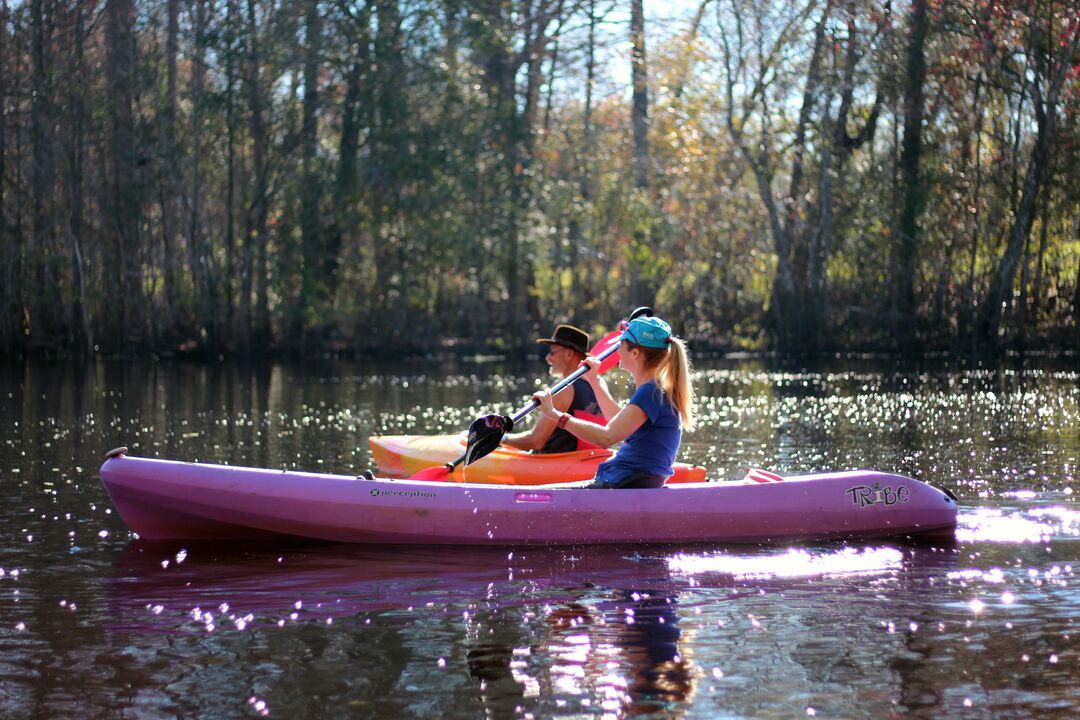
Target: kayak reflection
(339, 580)
(322, 581)
(548, 629)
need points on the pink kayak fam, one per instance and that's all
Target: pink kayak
(162, 499)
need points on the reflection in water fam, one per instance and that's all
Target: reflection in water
(1011, 525)
(615, 651)
(649, 637)
(594, 630)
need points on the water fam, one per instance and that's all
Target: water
(96, 624)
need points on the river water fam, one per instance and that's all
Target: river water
(95, 623)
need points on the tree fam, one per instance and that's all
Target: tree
(640, 80)
(801, 221)
(314, 293)
(1047, 63)
(912, 184)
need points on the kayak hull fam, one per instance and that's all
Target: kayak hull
(402, 456)
(161, 499)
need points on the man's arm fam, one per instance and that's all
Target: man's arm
(535, 438)
(625, 422)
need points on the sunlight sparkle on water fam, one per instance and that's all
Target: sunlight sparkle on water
(258, 705)
(1067, 521)
(793, 563)
(993, 525)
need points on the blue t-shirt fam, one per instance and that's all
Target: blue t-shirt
(652, 447)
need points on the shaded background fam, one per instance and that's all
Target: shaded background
(403, 176)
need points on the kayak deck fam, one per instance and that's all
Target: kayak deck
(161, 499)
(402, 456)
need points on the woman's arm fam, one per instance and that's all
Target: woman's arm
(619, 427)
(608, 407)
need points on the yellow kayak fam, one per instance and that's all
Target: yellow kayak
(403, 456)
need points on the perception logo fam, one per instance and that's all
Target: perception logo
(865, 496)
(375, 492)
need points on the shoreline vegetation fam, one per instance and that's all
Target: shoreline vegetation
(276, 178)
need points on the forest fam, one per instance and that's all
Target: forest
(800, 177)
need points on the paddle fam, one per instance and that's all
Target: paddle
(490, 429)
(487, 432)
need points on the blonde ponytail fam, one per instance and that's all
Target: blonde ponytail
(673, 376)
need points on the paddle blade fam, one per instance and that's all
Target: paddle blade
(485, 434)
(437, 473)
(612, 338)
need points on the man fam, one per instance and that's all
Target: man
(567, 347)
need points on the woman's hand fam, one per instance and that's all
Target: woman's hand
(592, 376)
(546, 405)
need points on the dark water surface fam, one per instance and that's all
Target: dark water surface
(94, 623)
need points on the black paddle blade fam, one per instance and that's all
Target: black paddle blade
(485, 434)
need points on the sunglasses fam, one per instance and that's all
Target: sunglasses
(624, 325)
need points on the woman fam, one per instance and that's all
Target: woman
(652, 422)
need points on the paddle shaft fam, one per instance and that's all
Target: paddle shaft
(480, 451)
(533, 404)
(569, 379)
(563, 384)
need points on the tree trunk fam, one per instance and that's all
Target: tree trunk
(835, 155)
(254, 324)
(1046, 111)
(967, 315)
(386, 145)
(352, 113)
(233, 23)
(124, 282)
(313, 296)
(201, 287)
(914, 194)
(640, 115)
(43, 298)
(587, 128)
(77, 155)
(1076, 297)
(9, 311)
(582, 235)
(1036, 288)
(787, 303)
(170, 182)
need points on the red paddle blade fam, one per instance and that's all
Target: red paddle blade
(612, 338)
(439, 472)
